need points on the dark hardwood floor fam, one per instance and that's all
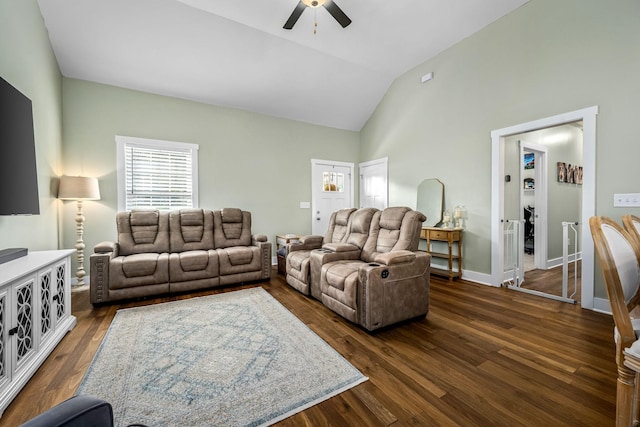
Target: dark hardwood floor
(550, 281)
(483, 357)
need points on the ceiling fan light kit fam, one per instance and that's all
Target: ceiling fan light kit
(314, 3)
(329, 5)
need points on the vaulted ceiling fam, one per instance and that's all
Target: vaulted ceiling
(235, 53)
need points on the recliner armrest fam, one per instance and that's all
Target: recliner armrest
(306, 243)
(340, 247)
(106, 247)
(395, 257)
(259, 238)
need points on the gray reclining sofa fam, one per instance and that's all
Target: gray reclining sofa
(159, 252)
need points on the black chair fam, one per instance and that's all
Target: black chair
(528, 231)
(78, 411)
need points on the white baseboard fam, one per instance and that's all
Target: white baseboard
(475, 277)
(602, 305)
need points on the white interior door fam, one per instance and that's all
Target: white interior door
(331, 190)
(374, 188)
(540, 200)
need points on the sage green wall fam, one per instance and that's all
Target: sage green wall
(251, 161)
(545, 58)
(28, 63)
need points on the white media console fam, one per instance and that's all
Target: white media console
(35, 314)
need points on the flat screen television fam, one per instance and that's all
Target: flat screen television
(18, 171)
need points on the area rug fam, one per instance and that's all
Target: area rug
(233, 359)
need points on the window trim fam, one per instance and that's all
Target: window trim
(121, 141)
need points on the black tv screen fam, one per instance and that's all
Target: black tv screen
(18, 171)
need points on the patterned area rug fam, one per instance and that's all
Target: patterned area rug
(233, 359)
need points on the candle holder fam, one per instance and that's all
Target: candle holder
(459, 214)
(446, 219)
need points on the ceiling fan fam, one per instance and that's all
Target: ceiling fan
(331, 7)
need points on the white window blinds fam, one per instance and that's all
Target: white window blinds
(157, 174)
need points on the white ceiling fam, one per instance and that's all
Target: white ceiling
(235, 53)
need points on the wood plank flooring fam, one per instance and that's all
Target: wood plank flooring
(550, 281)
(483, 357)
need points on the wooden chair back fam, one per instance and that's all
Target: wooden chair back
(631, 223)
(618, 253)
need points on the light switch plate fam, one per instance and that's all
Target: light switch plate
(626, 200)
(305, 205)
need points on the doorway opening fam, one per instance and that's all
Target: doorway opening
(544, 202)
(501, 224)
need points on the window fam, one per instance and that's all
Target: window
(332, 182)
(156, 174)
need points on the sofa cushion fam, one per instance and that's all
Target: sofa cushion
(193, 260)
(231, 215)
(231, 227)
(239, 255)
(192, 266)
(338, 225)
(397, 228)
(240, 259)
(144, 226)
(191, 229)
(297, 259)
(191, 224)
(143, 231)
(339, 286)
(139, 270)
(340, 276)
(360, 225)
(140, 265)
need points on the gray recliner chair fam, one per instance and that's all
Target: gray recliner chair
(348, 249)
(299, 253)
(389, 282)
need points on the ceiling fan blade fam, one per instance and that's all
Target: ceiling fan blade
(294, 16)
(337, 13)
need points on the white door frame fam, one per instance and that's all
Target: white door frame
(384, 162)
(588, 117)
(316, 191)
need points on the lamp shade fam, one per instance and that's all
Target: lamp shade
(78, 188)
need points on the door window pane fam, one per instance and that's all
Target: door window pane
(333, 182)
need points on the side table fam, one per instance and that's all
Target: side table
(450, 236)
(282, 240)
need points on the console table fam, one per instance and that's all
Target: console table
(451, 236)
(35, 314)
